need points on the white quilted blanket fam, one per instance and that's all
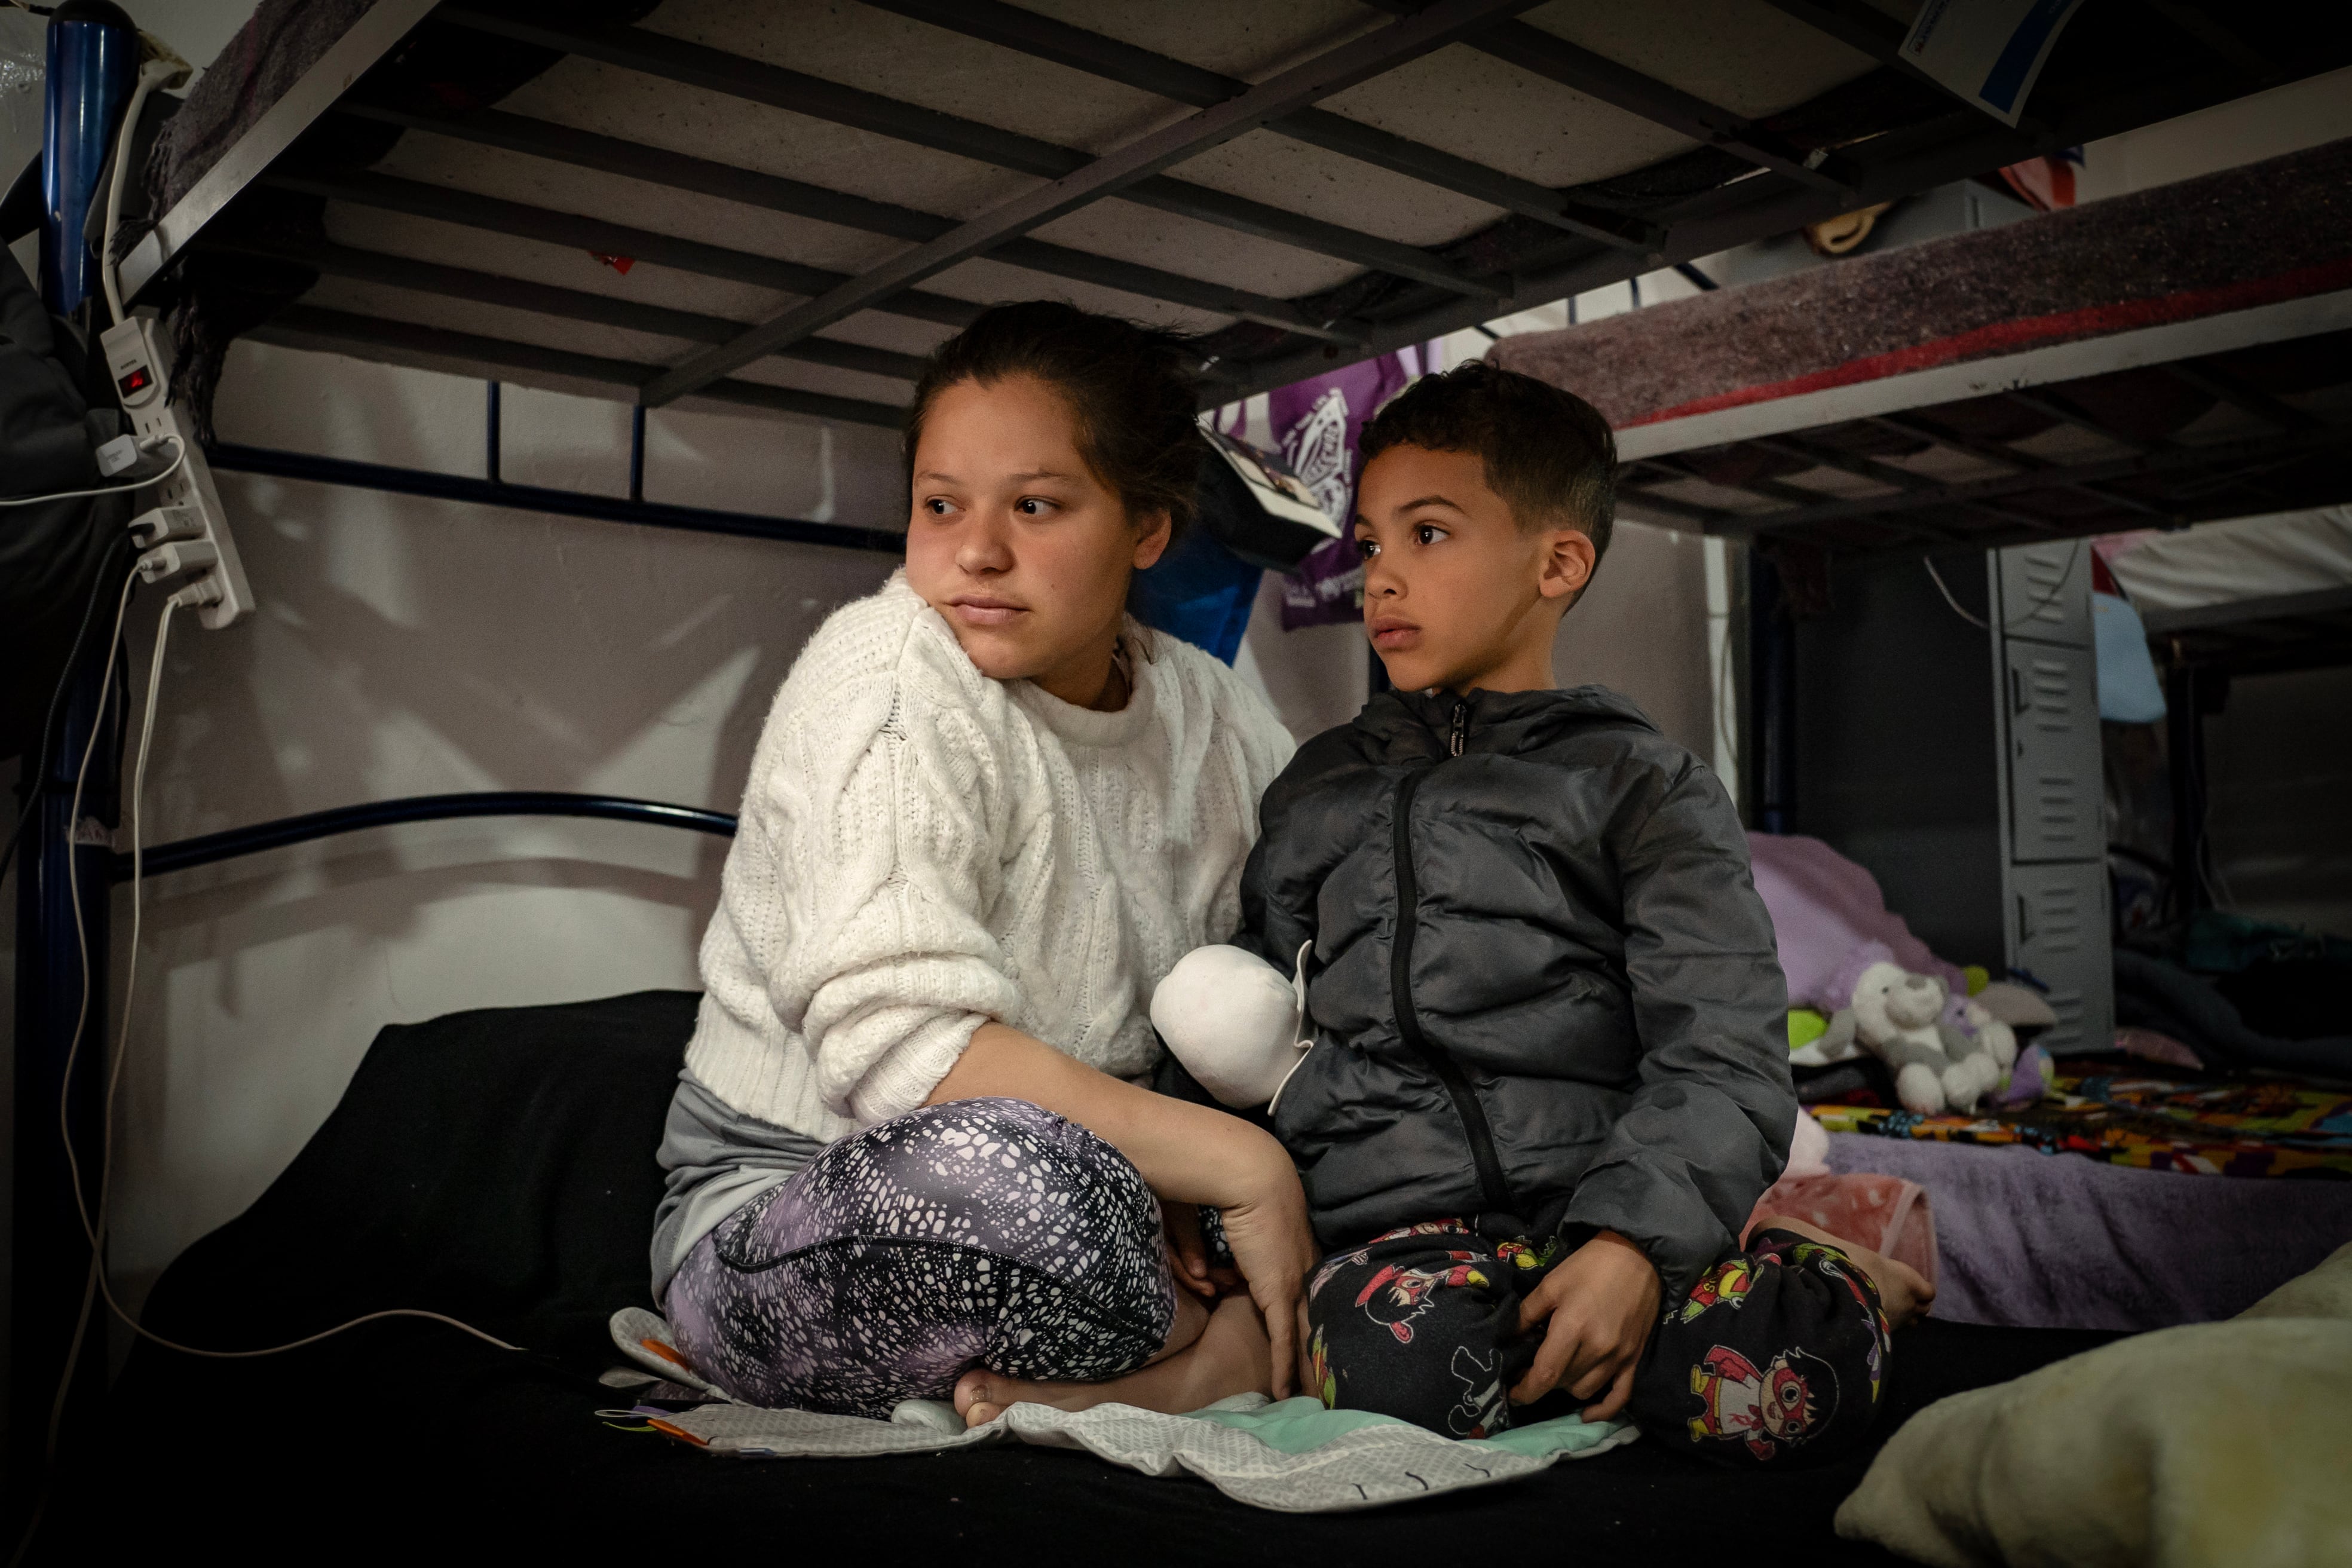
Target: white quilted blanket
(1294, 1456)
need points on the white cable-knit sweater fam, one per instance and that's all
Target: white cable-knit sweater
(923, 849)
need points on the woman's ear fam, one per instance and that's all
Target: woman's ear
(1151, 539)
(1568, 561)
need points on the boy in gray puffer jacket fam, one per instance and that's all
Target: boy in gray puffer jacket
(1549, 1079)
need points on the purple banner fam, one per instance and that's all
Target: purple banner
(1315, 424)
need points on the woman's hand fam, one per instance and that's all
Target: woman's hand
(1274, 1246)
(1186, 1153)
(1602, 1302)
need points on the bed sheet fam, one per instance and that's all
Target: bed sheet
(2026, 1238)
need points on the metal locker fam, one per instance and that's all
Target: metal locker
(2045, 593)
(2058, 918)
(2057, 806)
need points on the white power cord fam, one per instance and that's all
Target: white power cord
(97, 1287)
(195, 594)
(179, 456)
(1982, 626)
(2041, 602)
(168, 71)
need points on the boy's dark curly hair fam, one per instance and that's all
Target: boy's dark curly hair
(1547, 452)
(1130, 388)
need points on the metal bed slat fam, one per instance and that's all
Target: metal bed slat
(2168, 461)
(344, 326)
(1900, 163)
(1922, 424)
(2229, 389)
(1124, 169)
(447, 204)
(611, 155)
(698, 65)
(2056, 405)
(1578, 68)
(1044, 37)
(552, 299)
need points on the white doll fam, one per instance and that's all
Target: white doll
(1232, 1020)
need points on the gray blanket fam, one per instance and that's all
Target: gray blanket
(2032, 1240)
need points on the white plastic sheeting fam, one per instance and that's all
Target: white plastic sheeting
(2226, 562)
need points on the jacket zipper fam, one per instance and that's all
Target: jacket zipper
(1437, 1059)
(1461, 725)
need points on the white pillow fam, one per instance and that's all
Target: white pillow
(2200, 1447)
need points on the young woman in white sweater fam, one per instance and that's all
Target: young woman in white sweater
(910, 1156)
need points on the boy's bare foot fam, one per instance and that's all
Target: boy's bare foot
(1230, 1356)
(1903, 1291)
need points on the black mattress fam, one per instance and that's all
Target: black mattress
(497, 1166)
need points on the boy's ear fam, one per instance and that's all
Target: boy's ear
(1568, 561)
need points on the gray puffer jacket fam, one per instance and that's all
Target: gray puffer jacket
(1543, 987)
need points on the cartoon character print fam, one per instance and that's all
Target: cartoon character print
(1777, 1407)
(1397, 1296)
(1837, 1266)
(1482, 1411)
(1725, 1285)
(1332, 1266)
(1530, 1254)
(1320, 1383)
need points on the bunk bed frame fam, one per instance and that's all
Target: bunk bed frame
(363, 260)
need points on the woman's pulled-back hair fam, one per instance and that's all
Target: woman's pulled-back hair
(1129, 389)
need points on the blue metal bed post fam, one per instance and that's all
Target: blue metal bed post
(93, 56)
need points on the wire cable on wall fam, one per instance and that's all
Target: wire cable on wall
(1982, 626)
(2040, 603)
(94, 1227)
(97, 1287)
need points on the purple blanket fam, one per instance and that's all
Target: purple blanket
(1831, 919)
(2032, 1240)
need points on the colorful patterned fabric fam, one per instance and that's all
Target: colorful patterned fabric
(2210, 1127)
(978, 1233)
(1778, 1350)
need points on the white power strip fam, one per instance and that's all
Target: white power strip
(187, 516)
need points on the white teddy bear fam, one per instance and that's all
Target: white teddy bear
(1237, 1025)
(1938, 1064)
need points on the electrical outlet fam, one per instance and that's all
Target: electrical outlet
(188, 505)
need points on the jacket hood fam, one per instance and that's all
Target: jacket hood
(1421, 723)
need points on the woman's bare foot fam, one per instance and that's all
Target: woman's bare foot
(1231, 1356)
(1903, 1291)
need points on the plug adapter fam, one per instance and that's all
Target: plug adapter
(180, 556)
(152, 527)
(119, 455)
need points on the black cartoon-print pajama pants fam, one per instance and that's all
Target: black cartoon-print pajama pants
(1780, 1349)
(976, 1232)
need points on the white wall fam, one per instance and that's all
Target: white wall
(408, 647)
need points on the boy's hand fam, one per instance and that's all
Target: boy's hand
(1603, 1303)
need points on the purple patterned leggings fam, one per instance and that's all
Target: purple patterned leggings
(977, 1233)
